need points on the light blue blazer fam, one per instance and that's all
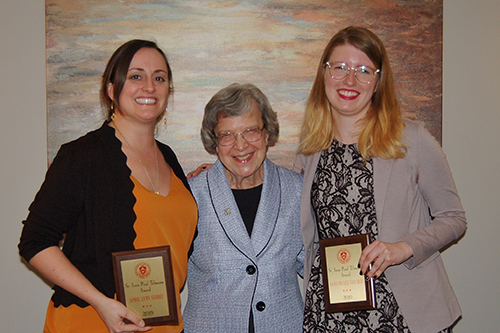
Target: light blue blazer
(230, 273)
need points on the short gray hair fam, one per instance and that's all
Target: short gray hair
(232, 101)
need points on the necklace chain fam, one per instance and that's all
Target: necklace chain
(144, 167)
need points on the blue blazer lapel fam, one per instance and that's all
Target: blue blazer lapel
(226, 209)
(269, 208)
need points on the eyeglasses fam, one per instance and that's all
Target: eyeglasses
(339, 70)
(250, 135)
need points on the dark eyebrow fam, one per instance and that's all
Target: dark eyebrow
(142, 70)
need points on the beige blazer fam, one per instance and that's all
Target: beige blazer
(416, 201)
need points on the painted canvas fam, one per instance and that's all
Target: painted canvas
(273, 44)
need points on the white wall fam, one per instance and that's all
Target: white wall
(470, 138)
(23, 156)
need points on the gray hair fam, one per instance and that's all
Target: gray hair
(232, 101)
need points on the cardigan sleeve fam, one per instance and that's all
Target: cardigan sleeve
(56, 206)
(436, 184)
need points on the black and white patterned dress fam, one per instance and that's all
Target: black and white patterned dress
(342, 197)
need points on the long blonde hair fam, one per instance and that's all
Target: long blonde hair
(381, 129)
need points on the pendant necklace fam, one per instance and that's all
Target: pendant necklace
(144, 167)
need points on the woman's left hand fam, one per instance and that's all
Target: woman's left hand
(199, 169)
(382, 255)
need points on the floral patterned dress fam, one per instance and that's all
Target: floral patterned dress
(344, 209)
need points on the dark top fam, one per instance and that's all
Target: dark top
(346, 209)
(248, 203)
(87, 195)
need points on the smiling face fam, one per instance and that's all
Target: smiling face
(145, 92)
(348, 97)
(243, 160)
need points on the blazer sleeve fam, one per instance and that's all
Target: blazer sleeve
(435, 183)
(298, 164)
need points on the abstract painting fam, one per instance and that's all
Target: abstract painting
(274, 44)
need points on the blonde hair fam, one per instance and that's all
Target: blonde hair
(381, 129)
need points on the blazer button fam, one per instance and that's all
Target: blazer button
(250, 269)
(261, 306)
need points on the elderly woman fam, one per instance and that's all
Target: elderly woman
(242, 274)
(369, 171)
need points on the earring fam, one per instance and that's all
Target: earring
(112, 107)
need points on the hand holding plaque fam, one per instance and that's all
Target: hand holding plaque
(345, 289)
(145, 284)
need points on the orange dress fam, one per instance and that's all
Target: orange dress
(161, 221)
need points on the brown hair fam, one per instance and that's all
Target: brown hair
(117, 68)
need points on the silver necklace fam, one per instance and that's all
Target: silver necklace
(144, 167)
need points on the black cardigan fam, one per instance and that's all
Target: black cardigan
(87, 195)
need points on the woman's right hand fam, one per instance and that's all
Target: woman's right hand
(54, 265)
(198, 170)
(118, 318)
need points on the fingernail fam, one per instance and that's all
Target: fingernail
(203, 167)
(367, 278)
(360, 272)
(359, 266)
